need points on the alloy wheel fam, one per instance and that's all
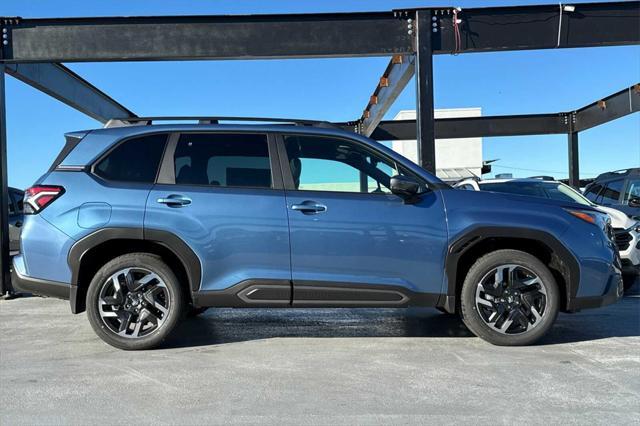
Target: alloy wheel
(134, 302)
(511, 299)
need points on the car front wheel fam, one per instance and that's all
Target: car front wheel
(509, 298)
(134, 301)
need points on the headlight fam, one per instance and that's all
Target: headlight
(601, 220)
(587, 216)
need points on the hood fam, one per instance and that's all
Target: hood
(488, 196)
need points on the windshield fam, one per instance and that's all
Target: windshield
(553, 190)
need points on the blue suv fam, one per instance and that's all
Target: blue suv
(141, 225)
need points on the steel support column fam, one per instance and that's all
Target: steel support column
(5, 278)
(574, 162)
(425, 119)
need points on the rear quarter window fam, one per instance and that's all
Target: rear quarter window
(134, 160)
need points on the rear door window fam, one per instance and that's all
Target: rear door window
(134, 160)
(223, 159)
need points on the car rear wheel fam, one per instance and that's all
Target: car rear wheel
(509, 298)
(134, 301)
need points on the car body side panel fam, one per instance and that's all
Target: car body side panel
(594, 252)
(87, 204)
(44, 250)
(237, 233)
(369, 239)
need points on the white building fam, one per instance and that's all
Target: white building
(455, 158)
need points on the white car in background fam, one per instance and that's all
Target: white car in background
(626, 230)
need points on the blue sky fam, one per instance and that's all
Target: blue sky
(333, 89)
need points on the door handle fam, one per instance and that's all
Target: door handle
(175, 200)
(309, 207)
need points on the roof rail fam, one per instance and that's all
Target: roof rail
(147, 121)
(622, 172)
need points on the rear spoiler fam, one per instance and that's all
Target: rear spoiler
(72, 140)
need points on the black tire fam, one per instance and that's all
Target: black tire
(174, 313)
(481, 269)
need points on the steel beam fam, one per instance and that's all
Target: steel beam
(315, 35)
(68, 87)
(424, 92)
(489, 126)
(393, 81)
(612, 107)
(5, 278)
(539, 27)
(465, 127)
(206, 37)
(510, 125)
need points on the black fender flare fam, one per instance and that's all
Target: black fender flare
(170, 241)
(478, 234)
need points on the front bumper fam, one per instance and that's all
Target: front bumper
(613, 293)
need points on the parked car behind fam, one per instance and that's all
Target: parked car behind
(619, 190)
(16, 218)
(626, 230)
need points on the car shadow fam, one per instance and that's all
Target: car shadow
(222, 326)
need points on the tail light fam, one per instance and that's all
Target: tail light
(38, 197)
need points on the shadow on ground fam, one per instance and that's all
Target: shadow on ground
(220, 326)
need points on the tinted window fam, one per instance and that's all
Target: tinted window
(236, 160)
(327, 164)
(18, 200)
(592, 192)
(562, 192)
(611, 193)
(135, 160)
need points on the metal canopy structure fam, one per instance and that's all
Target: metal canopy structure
(32, 51)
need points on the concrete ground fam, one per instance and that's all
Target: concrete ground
(328, 366)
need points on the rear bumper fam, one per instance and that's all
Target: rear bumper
(40, 287)
(613, 293)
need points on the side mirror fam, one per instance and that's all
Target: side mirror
(633, 202)
(405, 187)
